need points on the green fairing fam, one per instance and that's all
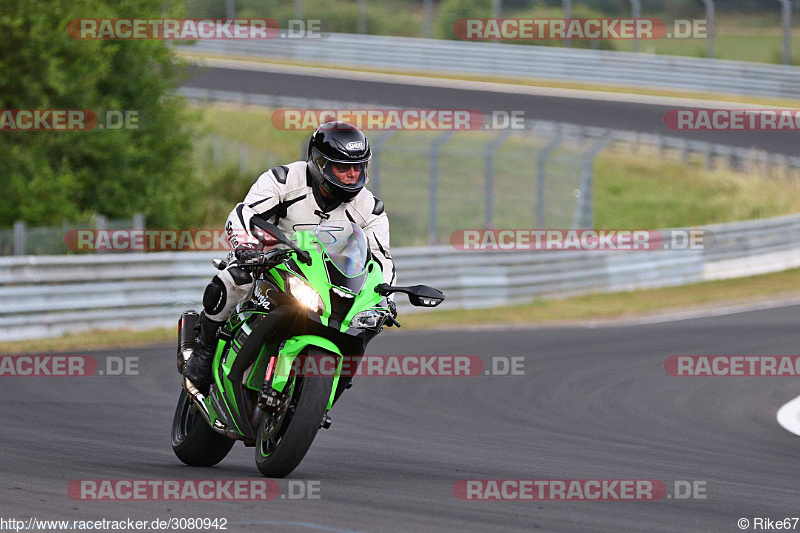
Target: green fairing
(292, 349)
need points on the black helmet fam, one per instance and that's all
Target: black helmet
(338, 142)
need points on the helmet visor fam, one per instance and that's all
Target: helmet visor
(344, 175)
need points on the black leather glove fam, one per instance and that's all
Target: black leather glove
(250, 257)
(392, 319)
(246, 255)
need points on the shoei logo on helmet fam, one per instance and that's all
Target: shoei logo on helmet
(355, 145)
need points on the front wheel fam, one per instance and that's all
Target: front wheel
(284, 437)
(193, 441)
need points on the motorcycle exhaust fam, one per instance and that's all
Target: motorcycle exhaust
(187, 335)
(197, 399)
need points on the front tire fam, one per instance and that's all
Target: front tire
(193, 441)
(279, 454)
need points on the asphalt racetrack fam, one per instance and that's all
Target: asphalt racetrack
(636, 116)
(593, 403)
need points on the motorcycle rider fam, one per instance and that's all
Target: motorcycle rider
(328, 185)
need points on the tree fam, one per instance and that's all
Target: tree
(49, 176)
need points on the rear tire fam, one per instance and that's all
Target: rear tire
(277, 457)
(193, 441)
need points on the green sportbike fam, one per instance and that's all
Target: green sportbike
(317, 295)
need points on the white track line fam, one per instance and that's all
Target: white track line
(789, 416)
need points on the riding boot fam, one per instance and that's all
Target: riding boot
(198, 367)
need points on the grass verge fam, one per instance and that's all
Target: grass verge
(619, 305)
(91, 340)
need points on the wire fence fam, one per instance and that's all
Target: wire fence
(221, 152)
(434, 183)
(23, 239)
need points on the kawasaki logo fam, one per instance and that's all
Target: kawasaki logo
(355, 145)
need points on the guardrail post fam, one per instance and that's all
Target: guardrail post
(709, 153)
(636, 13)
(584, 209)
(427, 9)
(489, 169)
(710, 25)
(541, 177)
(567, 6)
(242, 160)
(362, 16)
(19, 237)
(786, 15)
(298, 9)
(138, 224)
(734, 161)
(100, 223)
(496, 13)
(433, 208)
(216, 150)
(138, 221)
(376, 160)
(230, 9)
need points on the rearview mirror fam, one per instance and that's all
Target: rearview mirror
(267, 234)
(418, 295)
(270, 235)
(424, 296)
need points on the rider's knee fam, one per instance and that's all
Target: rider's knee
(227, 290)
(215, 297)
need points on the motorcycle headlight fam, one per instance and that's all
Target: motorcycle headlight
(367, 319)
(306, 295)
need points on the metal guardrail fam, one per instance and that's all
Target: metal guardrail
(511, 60)
(50, 295)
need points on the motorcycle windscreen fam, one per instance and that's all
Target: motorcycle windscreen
(346, 253)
